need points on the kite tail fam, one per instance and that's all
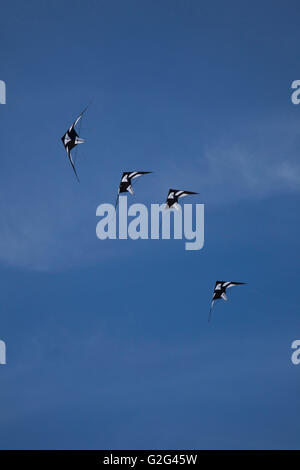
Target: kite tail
(73, 166)
(117, 200)
(209, 316)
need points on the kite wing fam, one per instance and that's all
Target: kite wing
(125, 184)
(174, 195)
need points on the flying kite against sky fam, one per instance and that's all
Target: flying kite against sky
(125, 184)
(174, 195)
(220, 291)
(70, 139)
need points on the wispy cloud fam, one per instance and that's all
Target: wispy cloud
(239, 173)
(251, 164)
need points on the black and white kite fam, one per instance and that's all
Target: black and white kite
(125, 184)
(70, 139)
(220, 291)
(173, 196)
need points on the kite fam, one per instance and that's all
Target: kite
(70, 139)
(173, 196)
(220, 291)
(125, 184)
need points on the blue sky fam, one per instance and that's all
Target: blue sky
(108, 344)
